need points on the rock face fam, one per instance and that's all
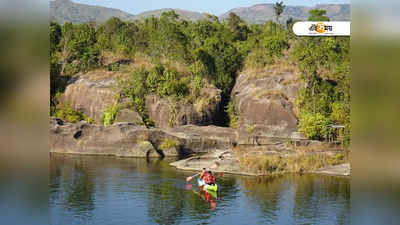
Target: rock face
(91, 97)
(128, 140)
(93, 93)
(127, 115)
(265, 105)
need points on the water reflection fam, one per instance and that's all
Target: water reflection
(106, 190)
(293, 199)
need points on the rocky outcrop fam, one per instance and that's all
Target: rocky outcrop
(167, 113)
(89, 96)
(128, 140)
(92, 93)
(264, 102)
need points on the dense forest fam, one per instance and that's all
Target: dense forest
(210, 51)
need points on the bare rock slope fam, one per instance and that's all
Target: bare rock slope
(264, 102)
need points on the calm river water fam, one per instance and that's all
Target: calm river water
(107, 190)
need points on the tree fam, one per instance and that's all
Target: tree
(238, 27)
(66, 45)
(317, 15)
(55, 37)
(279, 8)
(289, 23)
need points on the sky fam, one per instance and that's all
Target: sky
(216, 7)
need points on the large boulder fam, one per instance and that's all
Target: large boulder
(92, 93)
(264, 102)
(129, 140)
(89, 96)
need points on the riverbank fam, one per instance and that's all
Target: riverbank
(263, 161)
(210, 146)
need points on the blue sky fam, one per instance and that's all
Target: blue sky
(215, 7)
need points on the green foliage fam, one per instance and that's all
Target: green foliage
(233, 114)
(168, 143)
(55, 37)
(198, 84)
(238, 27)
(324, 65)
(109, 115)
(210, 49)
(172, 85)
(278, 9)
(251, 128)
(198, 69)
(313, 125)
(275, 45)
(66, 113)
(317, 15)
(258, 59)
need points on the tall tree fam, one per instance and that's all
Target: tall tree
(279, 8)
(238, 27)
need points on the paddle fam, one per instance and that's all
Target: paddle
(188, 179)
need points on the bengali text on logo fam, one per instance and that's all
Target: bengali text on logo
(322, 28)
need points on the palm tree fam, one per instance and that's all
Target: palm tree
(279, 7)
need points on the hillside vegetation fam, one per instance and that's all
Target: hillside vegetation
(206, 51)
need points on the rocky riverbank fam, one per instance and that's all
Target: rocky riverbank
(275, 163)
(210, 146)
(128, 140)
(258, 144)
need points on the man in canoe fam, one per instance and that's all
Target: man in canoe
(207, 177)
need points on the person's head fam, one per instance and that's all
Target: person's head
(204, 169)
(210, 172)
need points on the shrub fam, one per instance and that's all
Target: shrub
(233, 114)
(70, 115)
(258, 58)
(313, 125)
(251, 128)
(275, 45)
(198, 69)
(154, 78)
(110, 114)
(197, 85)
(172, 85)
(168, 143)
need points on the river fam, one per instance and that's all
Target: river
(108, 190)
